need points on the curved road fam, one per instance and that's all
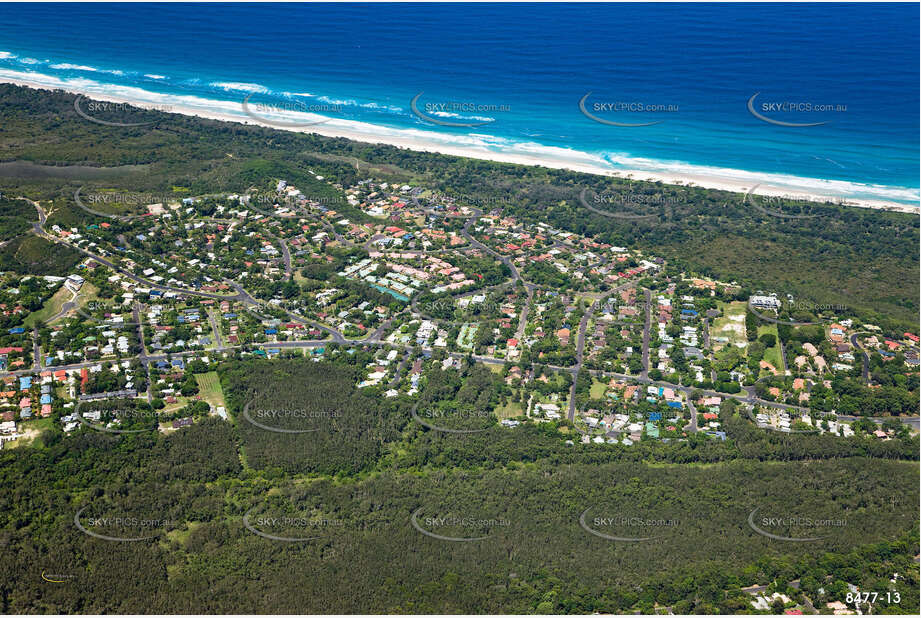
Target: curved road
(375, 337)
(866, 357)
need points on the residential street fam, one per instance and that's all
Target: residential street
(374, 338)
(647, 295)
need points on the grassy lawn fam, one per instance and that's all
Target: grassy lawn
(298, 277)
(50, 308)
(181, 402)
(731, 324)
(53, 305)
(772, 355)
(209, 386)
(598, 388)
(509, 410)
(87, 293)
(181, 536)
(31, 430)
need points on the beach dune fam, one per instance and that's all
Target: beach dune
(476, 146)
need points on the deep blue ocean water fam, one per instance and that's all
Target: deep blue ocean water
(530, 65)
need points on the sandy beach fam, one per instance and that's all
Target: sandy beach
(429, 141)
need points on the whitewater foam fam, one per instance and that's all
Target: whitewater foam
(240, 87)
(478, 145)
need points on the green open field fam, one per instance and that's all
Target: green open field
(598, 388)
(510, 410)
(731, 324)
(181, 402)
(772, 355)
(53, 305)
(31, 430)
(209, 386)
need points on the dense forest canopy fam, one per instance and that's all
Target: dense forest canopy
(366, 488)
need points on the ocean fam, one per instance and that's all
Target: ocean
(815, 97)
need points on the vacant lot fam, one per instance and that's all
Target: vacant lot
(773, 354)
(731, 325)
(209, 386)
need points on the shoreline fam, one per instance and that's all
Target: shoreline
(374, 134)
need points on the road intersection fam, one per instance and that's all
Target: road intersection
(375, 338)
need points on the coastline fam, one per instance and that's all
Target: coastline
(427, 141)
